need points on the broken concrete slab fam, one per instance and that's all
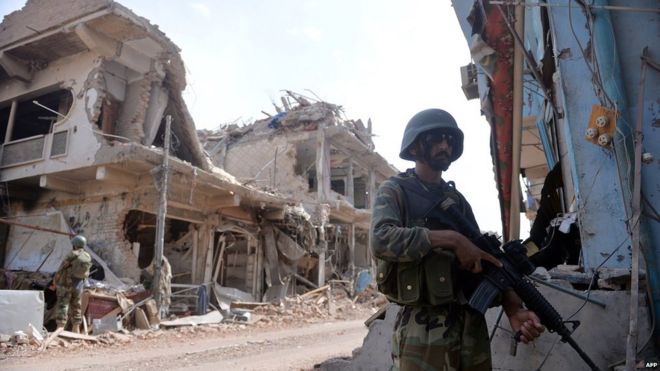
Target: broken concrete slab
(376, 350)
(75, 336)
(288, 247)
(106, 324)
(226, 295)
(208, 318)
(19, 309)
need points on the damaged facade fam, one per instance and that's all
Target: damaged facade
(570, 90)
(85, 88)
(309, 153)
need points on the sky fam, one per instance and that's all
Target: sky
(379, 59)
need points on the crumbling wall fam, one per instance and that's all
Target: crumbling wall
(32, 250)
(67, 73)
(99, 219)
(267, 164)
(33, 14)
(134, 109)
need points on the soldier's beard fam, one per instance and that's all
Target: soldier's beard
(437, 163)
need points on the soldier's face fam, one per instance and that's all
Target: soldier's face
(435, 149)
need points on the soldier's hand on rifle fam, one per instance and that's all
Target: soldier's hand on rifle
(468, 254)
(526, 325)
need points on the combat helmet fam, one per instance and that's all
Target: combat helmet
(79, 241)
(431, 119)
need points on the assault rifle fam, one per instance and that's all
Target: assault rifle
(512, 275)
(515, 267)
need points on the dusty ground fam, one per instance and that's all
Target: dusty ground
(296, 336)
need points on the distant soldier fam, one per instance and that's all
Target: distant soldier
(69, 281)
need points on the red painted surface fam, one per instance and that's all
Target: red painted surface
(99, 307)
(497, 36)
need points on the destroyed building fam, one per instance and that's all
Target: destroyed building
(310, 153)
(85, 90)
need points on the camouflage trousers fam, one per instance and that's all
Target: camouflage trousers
(68, 298)
(446, 338)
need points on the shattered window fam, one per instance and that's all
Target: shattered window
(338, 186)
(361, 196)
(35, 115)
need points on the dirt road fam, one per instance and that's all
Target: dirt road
(297, 348)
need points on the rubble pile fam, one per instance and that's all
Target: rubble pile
(324, 304)
(22, 280)
(297, 113)
(319, 305)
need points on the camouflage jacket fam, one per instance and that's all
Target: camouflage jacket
(63, 276)
(393, 239)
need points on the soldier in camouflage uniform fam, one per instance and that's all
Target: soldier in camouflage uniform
(428, 266)
(69, 282)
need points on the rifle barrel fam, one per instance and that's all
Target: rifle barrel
(580, 352)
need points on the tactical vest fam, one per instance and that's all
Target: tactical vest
(432, 280)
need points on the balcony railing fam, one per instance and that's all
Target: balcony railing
(34, 149)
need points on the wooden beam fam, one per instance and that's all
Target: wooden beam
(272, 215)
(238, 213)
(183, 205)
(34, 227)
(58, 184)
(195, 253)
(351, 252)
(208, 265)
(221, 202)
(191, 216)
(15, 68)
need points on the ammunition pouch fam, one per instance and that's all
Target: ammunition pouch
(426, 282)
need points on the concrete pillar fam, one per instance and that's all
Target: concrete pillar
(322, 166)
(350, 183)
(12, 118)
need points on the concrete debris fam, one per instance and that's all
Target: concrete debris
(321, 304)
(606, 278)
(227, 295)
(20, 309)
(211, 317)
(20, 338)
(375, 352)
(75, 336)
(106, 324)
(35, 335)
